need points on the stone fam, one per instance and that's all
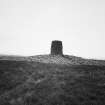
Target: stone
(56, 48)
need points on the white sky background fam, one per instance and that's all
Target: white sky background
(27, 27)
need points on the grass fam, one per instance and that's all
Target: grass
(32, 83)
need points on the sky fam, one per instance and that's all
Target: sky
(27, 27)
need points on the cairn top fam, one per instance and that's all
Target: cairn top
(56, 48)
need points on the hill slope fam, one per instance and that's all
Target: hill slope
(52, 80)
(55, 59)
(65, 59)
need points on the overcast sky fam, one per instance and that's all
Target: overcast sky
(27, 27)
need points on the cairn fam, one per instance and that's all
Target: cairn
(56, 48)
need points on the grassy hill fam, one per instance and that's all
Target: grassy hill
(55, 59)
(52, 80)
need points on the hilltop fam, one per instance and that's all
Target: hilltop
(54, 79)
(55, 59)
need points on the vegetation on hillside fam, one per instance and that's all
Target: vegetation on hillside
(33, 83)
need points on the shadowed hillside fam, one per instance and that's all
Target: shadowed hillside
(42, 84)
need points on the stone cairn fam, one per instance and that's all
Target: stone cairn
(56, 48)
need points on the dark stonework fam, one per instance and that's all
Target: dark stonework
(56, 48)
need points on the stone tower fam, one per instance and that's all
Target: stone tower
(56, 48)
